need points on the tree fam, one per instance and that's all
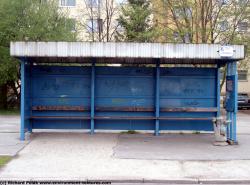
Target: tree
(136, 21)
(99, 19)
(27, 20)
(205, 21)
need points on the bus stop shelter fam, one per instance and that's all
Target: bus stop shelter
(72, 85)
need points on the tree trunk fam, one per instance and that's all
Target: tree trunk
(3, 96)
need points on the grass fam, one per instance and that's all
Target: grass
(130, 132)
(10, 112)
(4, 160)
(196, 132)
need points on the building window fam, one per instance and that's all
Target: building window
(94, 25)
(242, 2)
(118, 27)
(224, 2)
(183, 12)
(242, 26)
(176, 36)
(93, 3)
(121, 2)
(67, 2)
(223, 26)
(71, 24)
(242, 75)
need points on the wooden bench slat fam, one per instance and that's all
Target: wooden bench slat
(124, 118)
(185, 118)
(125, 109)
(121, 109)
(188, 109)
(121, 118)
(61, 117)
(60, 108)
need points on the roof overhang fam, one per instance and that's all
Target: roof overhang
(122, 52)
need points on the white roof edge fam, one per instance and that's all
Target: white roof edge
(122, 50)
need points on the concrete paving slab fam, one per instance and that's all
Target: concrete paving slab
(10, 144)
(9, 124)
(243, 121)
(80, 156)
(179, 147)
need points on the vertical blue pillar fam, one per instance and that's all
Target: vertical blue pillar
(232, 115)
(228, 72)
(22, 127)
(92, 113)
(157, 98)
(234, 120)
(30, 125)
(218, 90)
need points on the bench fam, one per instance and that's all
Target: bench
(121, 109)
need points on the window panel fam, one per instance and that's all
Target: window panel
(93, 3)
(242, 26)
(242, 75)
(68, 3)
(92, 25)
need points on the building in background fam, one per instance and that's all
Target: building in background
(94, 20)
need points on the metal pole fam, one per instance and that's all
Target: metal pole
(92, 127)
(234, 125)
(228, 113)
(22, 128)
(30, 126)
(157, 98)
(218, 91)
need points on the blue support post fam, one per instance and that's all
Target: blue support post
(22, 128)
(232, 115)
(92, 127)
(234, 124)
(30, 125)
(157, 98)
(218, 91)
(228, 71)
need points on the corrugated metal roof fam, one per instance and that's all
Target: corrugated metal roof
(112, 52)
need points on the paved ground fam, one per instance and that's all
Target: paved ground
(10, 143)
(82, 156)
(179, 147)
(9, 124)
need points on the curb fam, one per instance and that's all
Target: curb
(144, 181)
(184, 181)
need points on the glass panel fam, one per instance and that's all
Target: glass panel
(242, 75)
(71, 2)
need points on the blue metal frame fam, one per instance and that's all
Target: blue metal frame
(218, 91)
(232, 115)
(228, 73)
(92, 127)
(22, 128)
(235, 73)
(157, 98)
(30, 96)
(125, 87)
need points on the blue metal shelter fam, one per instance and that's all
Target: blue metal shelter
(68, 85)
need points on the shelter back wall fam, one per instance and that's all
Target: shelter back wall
(123, 87)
